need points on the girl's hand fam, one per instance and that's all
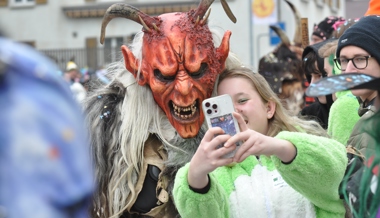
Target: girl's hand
(254, 143)
(208, 157)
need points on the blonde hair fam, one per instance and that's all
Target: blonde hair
(328, 49)
(282, 120)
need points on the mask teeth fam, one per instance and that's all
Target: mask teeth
(178, 110)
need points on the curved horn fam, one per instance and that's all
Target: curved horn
(297, 35)
(204, 5)
(228, 11)
(284, 38)
(125, 11)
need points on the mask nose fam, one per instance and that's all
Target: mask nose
(183, 84)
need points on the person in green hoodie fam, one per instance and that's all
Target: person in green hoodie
(285, 167)
(343, 113)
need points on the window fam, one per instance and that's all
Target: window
(22, 3)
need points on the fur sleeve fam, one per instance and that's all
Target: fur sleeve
(102, 108)
(317, 170)
(190, 204)
(343, 117)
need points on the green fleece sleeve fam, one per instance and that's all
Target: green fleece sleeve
(191, 204)
(343, 117)
(316, 172)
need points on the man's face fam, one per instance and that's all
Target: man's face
(372, 69)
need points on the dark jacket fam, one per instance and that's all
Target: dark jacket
(318, 112)
(359, 139)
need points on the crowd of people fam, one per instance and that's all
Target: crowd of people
(132, 141)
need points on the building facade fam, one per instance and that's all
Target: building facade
(70, 29)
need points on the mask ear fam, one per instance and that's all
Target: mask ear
(224, 49)
(131, 64)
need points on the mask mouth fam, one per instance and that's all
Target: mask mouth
(185, 114)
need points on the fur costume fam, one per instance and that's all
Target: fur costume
(266, 187)
(282, 68)
(147, 122)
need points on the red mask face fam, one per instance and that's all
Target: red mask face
(180, 64)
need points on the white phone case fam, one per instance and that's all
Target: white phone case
(218, 113)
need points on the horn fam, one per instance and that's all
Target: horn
(297, 35)
(128, 12)
(228, 11)
(204, 5)
(284, 38)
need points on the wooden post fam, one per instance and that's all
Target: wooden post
(305, 32)
(3, 3)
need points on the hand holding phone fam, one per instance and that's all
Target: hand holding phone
(218, 113)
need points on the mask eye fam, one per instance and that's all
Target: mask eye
(161, 77)
(202, 70)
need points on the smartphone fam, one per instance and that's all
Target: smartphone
(218, 113)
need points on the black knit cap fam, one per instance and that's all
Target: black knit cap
(364, 34)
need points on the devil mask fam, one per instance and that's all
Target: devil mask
(179, 61)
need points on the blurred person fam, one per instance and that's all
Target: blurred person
(45, 168)
(324, 29)
(73, 76)
(314, 69)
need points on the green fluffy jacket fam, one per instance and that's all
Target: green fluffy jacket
(343, 116)
(266, 187)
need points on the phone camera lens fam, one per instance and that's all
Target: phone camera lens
(214, 106)
(209, 111)
(207, 104)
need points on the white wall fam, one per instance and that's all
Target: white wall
(50, 28)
